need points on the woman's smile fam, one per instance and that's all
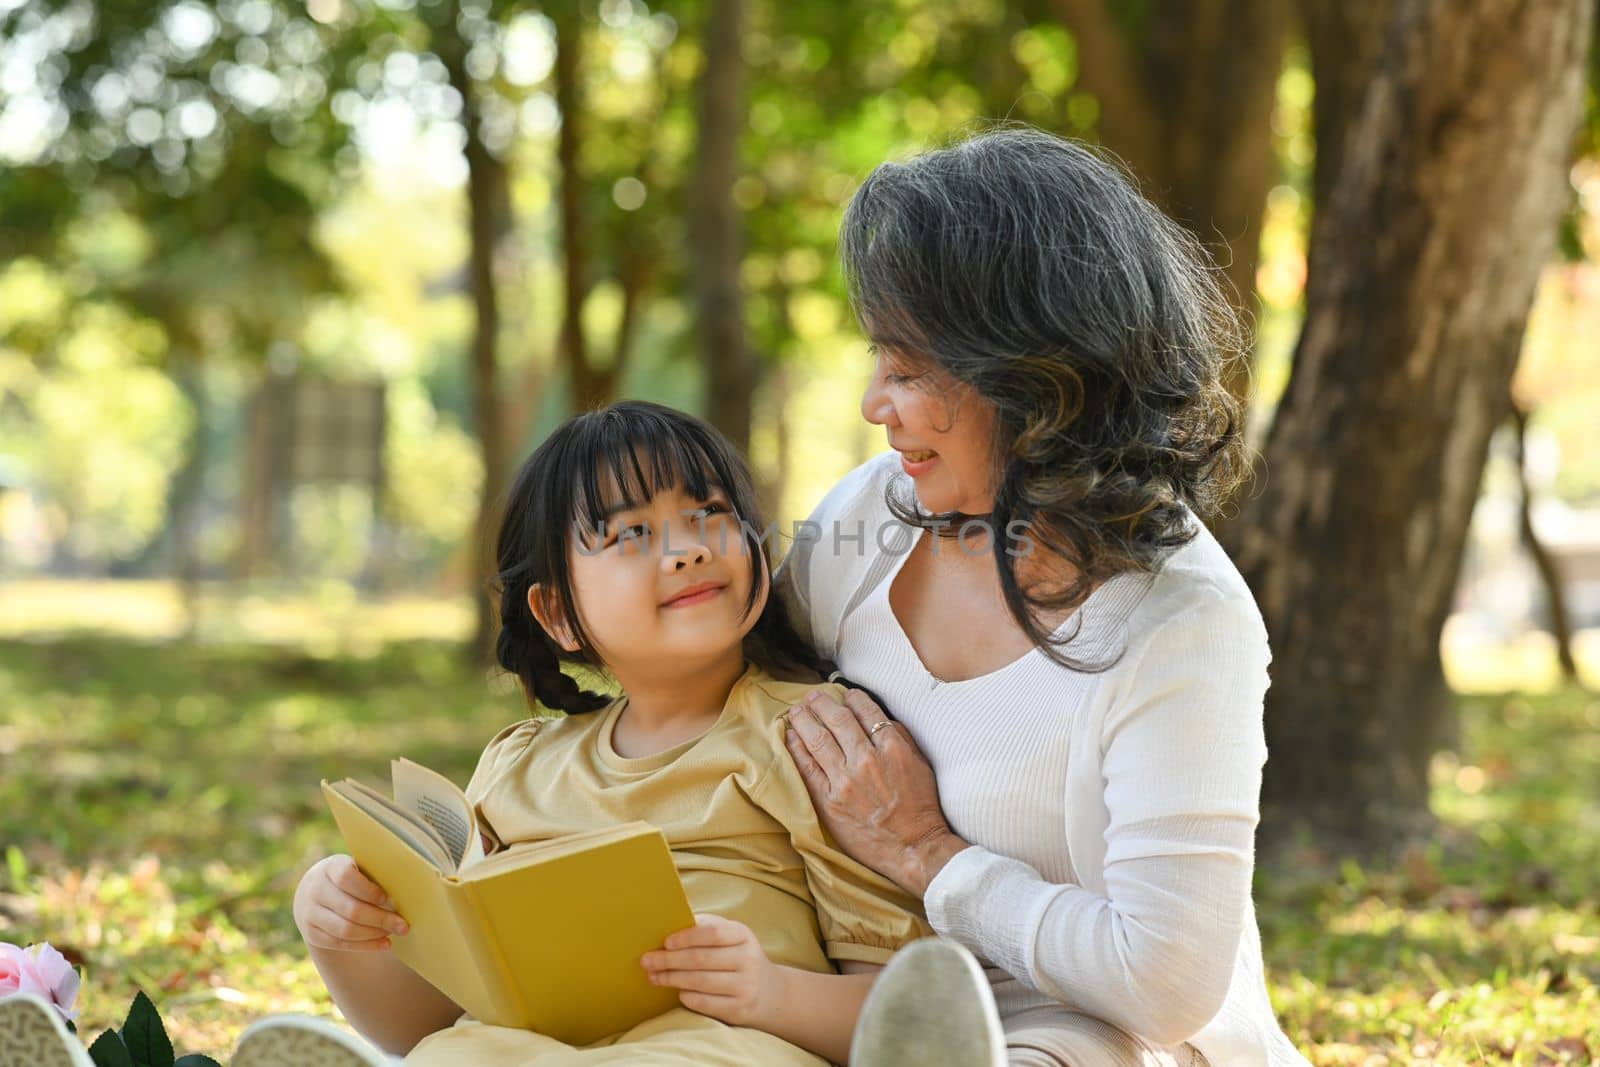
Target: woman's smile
(918, 463)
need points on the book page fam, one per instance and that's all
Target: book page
(439, 803)
(418, 836)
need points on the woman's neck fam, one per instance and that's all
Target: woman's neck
(681, 701)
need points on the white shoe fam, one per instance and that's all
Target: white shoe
(302, 1041)
(33, 1035)
(931, 1007)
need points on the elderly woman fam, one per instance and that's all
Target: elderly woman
(1067, 764)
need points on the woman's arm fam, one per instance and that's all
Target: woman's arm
(1181, 747)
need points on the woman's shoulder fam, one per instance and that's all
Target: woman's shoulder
(859, 491)
(1198, 585)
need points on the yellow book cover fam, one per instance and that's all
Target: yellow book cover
(543, 936)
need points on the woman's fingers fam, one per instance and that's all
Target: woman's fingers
(816, 778)
(867, 713)
(818, 740)
(841, 722)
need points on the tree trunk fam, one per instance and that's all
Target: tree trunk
(714, 220)
(486, 182)
(1422, 269)
(588, 387)
(188, 492)
(1543, 562)
(1190, 109)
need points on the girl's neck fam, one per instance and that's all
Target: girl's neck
(681, 702)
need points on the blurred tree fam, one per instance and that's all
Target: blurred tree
(1451, 161)
(1184, 94)
(192, 120)
(451, 36)
(715, 224)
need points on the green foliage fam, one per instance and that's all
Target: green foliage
(142, 1042)
(162, 803)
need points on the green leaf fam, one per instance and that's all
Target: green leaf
(195, 1059)
(17, 866)
(144, 1035)
(109, 1051)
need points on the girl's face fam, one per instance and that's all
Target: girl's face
(629, 584)
(942, 428)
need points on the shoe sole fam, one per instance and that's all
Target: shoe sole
(33, 1035)
(931, 1007)
(302, 1042)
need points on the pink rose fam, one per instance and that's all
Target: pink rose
(10, 969)
(41, 970)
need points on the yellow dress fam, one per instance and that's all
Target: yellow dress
(747, 844)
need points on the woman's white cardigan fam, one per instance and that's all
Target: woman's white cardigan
(1127, 799)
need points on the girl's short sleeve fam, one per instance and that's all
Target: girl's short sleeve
(862, 915)
(506, 746)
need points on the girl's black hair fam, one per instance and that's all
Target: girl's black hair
(646, 448)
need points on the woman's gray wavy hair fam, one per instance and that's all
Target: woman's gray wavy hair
(1030, 268)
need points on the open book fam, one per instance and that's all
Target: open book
(543, 936)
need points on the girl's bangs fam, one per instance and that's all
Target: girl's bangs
(628, 461)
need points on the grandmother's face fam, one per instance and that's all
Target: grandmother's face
(942, 428)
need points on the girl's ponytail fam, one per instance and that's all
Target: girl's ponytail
(527, 651)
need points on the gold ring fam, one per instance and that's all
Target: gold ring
(878, 726)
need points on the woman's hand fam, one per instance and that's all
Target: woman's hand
(338, 907)
(720, 969)
(873, 788)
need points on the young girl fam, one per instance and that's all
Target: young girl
(622, 549)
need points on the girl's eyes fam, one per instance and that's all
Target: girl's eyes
(639, 531)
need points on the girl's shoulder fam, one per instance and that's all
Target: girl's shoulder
(515, 741)
(771, 697)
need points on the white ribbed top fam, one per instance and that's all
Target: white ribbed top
(1112, 814)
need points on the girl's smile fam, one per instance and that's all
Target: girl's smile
(699, 593)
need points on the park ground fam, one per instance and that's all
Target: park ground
(158, 802)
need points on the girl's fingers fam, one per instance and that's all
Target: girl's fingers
(712, 983)
(347, 878)
(338, 934)
(707, 930)
(691, 959)
(359, 914)
(707, 1004)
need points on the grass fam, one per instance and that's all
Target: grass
(158, 804)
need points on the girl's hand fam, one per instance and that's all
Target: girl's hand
(338, 907)
(872, 788)
(721, 970)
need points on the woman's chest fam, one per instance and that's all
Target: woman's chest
(947, 602)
